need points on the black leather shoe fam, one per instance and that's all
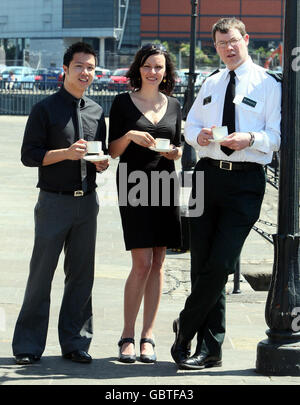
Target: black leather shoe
(26, 358)
(79, 356)
(126, 358)
(181, 348)
(200, 361)
(148, 358)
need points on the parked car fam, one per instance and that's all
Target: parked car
(181, 81)
(2, 83)
(118, 80)
(23, 77)
(102, 77)
(100, 72)
(61, 73)
(46, 78)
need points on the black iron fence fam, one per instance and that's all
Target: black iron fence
(18, 98)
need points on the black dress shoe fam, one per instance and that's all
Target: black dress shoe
(148, 358)
(26, 358)
(200, 361)
(181, 348)
(79, 356)
(126, 358)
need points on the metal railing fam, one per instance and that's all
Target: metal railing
(18, 98)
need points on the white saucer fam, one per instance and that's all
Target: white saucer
(95, 158)
(217, 140)
(160, 149)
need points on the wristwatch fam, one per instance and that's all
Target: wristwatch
(252, 139)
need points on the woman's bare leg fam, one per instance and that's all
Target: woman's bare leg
(134, 291)
(152, 295)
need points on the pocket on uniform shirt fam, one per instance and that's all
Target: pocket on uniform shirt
(209, 101)
(251, 118)
(249, 104)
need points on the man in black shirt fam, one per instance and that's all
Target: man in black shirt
(55, 138)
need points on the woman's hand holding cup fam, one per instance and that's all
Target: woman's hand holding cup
(141, 138)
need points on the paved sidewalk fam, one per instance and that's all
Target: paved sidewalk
(245, 311)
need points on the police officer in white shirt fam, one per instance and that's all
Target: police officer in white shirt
(234, 185)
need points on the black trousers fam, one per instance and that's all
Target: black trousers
(232, 202)
(61, 221)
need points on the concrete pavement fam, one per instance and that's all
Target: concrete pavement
(245, 311)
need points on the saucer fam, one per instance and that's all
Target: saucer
(159, 149)
(217, 140)
(95, 158)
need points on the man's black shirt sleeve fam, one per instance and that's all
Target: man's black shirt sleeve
(34, 141)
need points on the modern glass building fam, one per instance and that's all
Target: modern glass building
(38, 31)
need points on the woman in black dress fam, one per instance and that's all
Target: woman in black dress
(150, 222)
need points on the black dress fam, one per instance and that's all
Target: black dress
(149, 213)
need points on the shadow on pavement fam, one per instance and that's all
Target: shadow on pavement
(57, 368)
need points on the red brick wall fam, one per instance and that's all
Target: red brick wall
(163, 19)
(227, 7)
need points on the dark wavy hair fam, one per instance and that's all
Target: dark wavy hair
(167, 85)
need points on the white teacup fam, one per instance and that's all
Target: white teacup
(161, 143)
(93, 147)
(220, 133)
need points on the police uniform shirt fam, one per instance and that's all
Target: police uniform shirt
(257, 109)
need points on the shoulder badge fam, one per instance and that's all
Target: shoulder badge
(277, 76)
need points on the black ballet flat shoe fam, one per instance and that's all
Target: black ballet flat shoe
(147, 358)
(126, 358)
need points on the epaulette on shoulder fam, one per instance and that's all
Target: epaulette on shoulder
(214, 72)
(277, 76)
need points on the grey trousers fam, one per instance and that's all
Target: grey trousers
(61, 221)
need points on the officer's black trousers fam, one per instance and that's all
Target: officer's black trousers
(232, 202)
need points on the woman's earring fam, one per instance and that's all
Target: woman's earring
(165, 80)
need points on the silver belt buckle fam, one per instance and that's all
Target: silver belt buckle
(78, 193)
(225, 165)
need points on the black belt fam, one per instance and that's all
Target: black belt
(77, 193)
(223, 164)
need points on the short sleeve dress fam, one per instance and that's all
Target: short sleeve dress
(147, 183)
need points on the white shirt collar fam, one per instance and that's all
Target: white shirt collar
(242, 69)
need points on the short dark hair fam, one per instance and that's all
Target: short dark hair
(223, 25)
(167, 85)
(75, 48)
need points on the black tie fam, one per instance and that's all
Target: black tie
(82, 161)
(229, 110)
